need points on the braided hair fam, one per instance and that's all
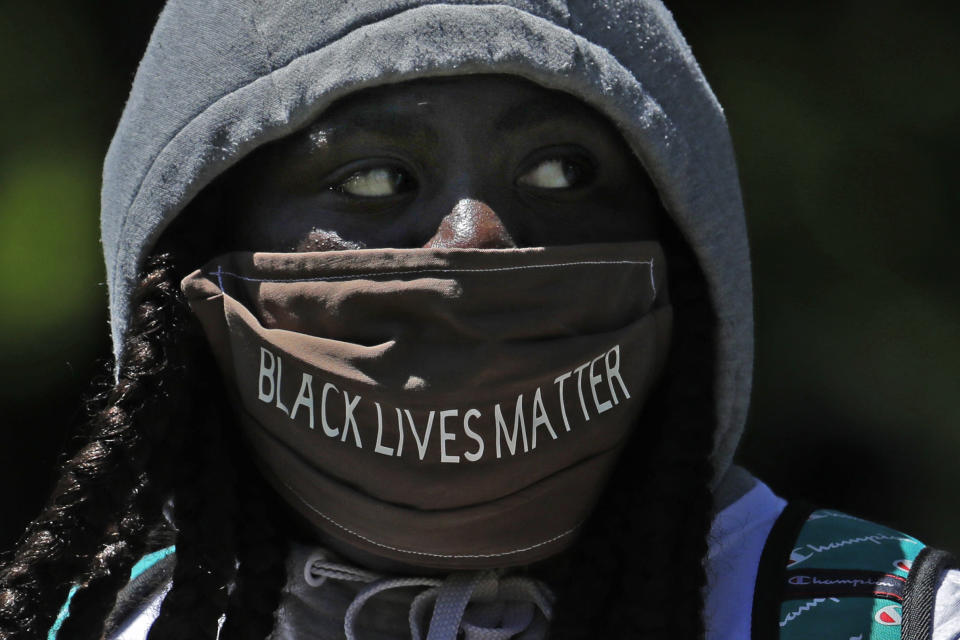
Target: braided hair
(154, 437)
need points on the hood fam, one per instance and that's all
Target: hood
(221, 77)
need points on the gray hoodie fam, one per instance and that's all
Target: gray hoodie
(222, 77)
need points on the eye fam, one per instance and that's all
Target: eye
(556, 173)
(376, 182)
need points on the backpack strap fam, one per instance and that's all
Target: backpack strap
(149, 578)
(771, 572)
(827, 574)
(921, 592)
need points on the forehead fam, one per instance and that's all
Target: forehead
(496, 103)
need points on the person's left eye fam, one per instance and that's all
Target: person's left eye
(555, 173)
(376, 182)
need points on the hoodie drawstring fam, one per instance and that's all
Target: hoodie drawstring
(480, 604)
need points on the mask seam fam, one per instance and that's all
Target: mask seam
(424, 553)
(219, 273)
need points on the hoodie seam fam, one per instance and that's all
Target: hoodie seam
(267, 54)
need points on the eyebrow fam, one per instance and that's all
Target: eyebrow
(391, 125)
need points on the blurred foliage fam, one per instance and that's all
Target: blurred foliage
(66, 70)
(846, 120)
(845, 116)
(48, 250)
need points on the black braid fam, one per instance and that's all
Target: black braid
(107, 508)
(262, 572)
(637, 570)
(205, 502)
(111, 568)
(99, 480)
(207, 582)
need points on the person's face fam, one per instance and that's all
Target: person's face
(468, 162)
(472, 161)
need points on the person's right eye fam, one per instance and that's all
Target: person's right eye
(381, 181)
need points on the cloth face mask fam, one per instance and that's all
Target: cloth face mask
(449, 408)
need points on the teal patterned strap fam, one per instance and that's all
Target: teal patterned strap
(827, 574)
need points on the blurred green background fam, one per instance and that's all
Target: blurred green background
(846, 120)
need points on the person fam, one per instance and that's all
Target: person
(435, 320)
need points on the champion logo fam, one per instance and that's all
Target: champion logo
(889, 615)
(796, 556)
(903, 565)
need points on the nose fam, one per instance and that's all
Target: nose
(471, 224)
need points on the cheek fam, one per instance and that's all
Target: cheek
(325, 240)
(634, 211)
(589, 221)
(252, 234)
(303, 226)
(285, 225)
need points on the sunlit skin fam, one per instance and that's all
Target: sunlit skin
(473, 161)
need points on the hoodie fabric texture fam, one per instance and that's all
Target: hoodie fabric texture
(220, 78)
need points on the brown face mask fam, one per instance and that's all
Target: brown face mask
(450, 408)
